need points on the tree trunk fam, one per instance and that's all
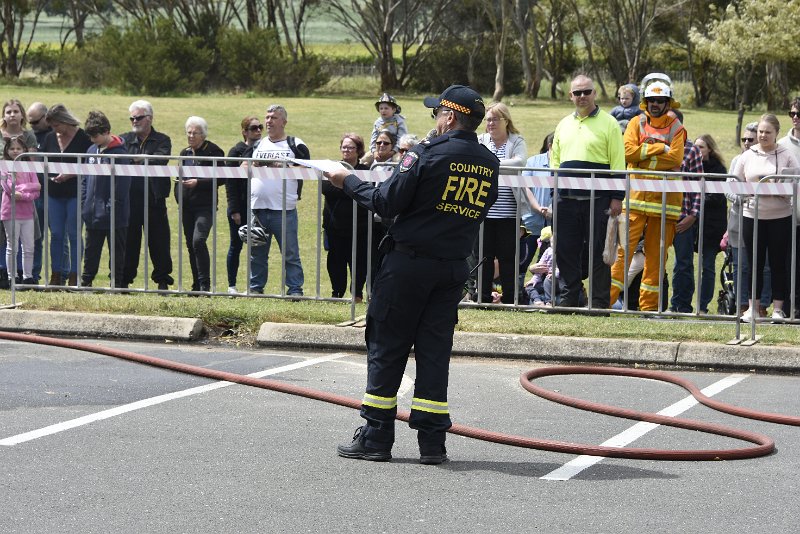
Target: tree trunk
(252, 15)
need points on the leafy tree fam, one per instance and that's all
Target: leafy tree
(16, 40)
(380, 24)
(769, 27)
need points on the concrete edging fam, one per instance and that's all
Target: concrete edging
(101, 325)
(577, 349)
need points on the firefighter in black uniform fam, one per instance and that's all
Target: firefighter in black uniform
(440, 193)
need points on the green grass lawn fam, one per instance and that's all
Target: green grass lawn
(320, 121)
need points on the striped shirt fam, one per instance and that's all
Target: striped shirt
(506, 205)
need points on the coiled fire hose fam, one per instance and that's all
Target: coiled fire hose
(763, 444)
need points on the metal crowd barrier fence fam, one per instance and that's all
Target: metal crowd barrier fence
(220, 169)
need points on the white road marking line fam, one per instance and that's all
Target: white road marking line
(145, 403)
(574, 467)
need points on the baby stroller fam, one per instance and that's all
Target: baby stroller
(726, 300)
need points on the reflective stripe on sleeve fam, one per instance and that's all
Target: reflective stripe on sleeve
(424, 405)
(384, 403)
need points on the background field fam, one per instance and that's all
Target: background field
(320, 121)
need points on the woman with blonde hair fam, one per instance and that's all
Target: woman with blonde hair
(500, 231)
(67, 137)
(774, 237)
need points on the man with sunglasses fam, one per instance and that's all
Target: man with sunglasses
(143, 140)
(792, 139)
(36, 118)
(440, 193)
(586, 140)
(654, 142)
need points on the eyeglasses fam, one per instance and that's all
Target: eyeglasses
(345, 148)
(256, 128)
(582, 92)
(382, 143)
(747, 139)
(137, 118)
(657, 100)
(794, 114)
(436, 111)
(495, 119)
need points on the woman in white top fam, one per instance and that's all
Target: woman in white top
(774, 214)
(500, 231)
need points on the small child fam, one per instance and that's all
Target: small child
(628, 96)
(389, 119)
(96, 201)
(538, 294)
(25, 191)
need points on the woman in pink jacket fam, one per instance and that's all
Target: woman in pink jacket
(25, 189)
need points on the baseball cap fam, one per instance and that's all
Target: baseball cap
(460, 98)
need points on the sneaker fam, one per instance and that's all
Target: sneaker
(434, 456)
(747, 316)
(778, 314)
(359, 451)
(232, 290)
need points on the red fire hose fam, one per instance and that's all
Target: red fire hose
(763, 444)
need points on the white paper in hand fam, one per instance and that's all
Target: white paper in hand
(324, 165)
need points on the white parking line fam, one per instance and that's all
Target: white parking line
(145, 403)
(574, 467)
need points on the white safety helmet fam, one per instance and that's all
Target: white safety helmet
(655, 77)
(258, 235)
(657, 89)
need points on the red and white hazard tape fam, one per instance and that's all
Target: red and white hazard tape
(512, 180)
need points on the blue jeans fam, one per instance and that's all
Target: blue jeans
(744, 294)
(37, 245)
(63, 220)
(259, 258)
(708, 278)
(683, 272)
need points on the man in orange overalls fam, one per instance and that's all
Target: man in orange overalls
(653, 142)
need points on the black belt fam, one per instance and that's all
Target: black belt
(405, 249)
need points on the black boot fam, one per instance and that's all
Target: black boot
(431, 447)
(432, 455)
(4, 283)
(359, 450)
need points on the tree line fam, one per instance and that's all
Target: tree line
(736, 53)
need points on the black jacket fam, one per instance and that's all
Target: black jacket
(236, 188)
(440, 193)
(201, 195)
(79, 145)
(337, 215)
(155, 144)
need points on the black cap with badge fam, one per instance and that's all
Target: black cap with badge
(460, 98)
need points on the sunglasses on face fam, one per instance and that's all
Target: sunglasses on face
(747, 139)
(137, 118)
(582, 92)
(794, 114)
(256, 128)
(658, 100)
(37, 121)
(381, 143)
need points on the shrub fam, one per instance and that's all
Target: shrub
(156, 60)
(446, 64)
(265, 67)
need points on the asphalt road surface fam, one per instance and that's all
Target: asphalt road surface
(90, 443)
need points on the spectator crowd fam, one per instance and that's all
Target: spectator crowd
(618, 245)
